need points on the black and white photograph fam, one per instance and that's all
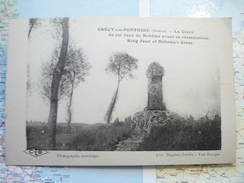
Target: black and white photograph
(126, 85)
(103, 97)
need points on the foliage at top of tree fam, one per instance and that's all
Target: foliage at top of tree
(75, 70)
(121, 64)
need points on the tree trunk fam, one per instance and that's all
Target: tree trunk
(32, 22)
(30, 30)
(57, 74)
(70, 105)
(112, 105)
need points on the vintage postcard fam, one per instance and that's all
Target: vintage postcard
(120, 91)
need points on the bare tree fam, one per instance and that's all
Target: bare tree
(33, 22)
(76, 69)
(57, 75)
(121, 64)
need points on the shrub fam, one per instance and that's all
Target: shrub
(185, 134)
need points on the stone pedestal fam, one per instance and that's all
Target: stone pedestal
(144, 120)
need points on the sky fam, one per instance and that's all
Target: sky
(190, 85)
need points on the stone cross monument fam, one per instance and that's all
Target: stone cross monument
(155, 72)
(155, 113)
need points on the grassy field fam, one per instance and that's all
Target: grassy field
(178, 134)
(83, 137)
